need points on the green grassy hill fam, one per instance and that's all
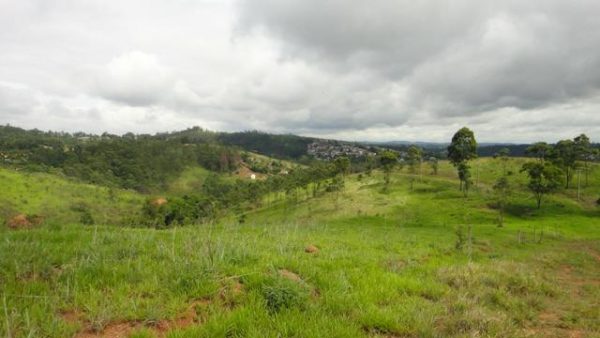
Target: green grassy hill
(59, 200)
(417, 261)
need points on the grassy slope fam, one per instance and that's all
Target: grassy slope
(55, 198)
(387, 267)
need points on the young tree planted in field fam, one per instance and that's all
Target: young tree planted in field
(342, 165)
(388, 161)
(464, 175)
(539, 150)
(502, 185)
(502, 155)
(433, 163)
(462, 149)
(502, 191)
(564, 155)
(544, 178)
(584, 152)
(414, 159)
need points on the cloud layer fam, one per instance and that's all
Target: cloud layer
(369, 70)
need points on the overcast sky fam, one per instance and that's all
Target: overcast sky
(514, 71)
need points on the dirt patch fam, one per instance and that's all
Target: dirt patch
(594, 254)
(23, 221)
(230, 293)
(554, 333)
(121, 329)
(566, 275)
(247, 173)
(289, 275)
(311, 249)
(192, 316)
(112, 330)
(19, 221)
(157, 202)
(548, 317)
(71, 316)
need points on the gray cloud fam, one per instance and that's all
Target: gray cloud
(380, 69)
(16, 100)
(459, 57)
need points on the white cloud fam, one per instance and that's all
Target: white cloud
(382, 69)
(135, 79)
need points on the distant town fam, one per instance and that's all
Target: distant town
(328, 150)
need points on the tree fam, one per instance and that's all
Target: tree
(462, 149)
(433, 163)
(502, 190)
(540, 150)
(564, 155)
(584, 153)
(342, 165)
(464, 175)
(502, 155)
(502, 185)
(415, 157)
(388, 161)
(544, 178)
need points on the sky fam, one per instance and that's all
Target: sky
(368, 70)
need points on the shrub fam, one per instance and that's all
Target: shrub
(86, 218)
(281, 293)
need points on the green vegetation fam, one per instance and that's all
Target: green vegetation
(58, 200)
(386, 266)
(325, 249)
(462, 149)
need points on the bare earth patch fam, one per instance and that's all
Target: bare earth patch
(289, 275)
(122, 329)
(311, 249)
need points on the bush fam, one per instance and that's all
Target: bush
(177, 211)
(86, 218)
(281, 293)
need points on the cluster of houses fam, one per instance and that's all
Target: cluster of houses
(328, 150)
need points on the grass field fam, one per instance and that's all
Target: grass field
(59, 200)
(386, 265)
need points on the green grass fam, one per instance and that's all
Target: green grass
(190, 180)
(59, 200)
(386, 267)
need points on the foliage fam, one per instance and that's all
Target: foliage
(280, 293)
(544, 178)
(143, 163)
(564, 155)
(414, 158)
(281, 146)
(502, 190)
(540, 150)
(387, 264)
(434, 164)
(388, 160)
(462, 149)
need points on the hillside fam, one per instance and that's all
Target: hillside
(419, 260)
(59, 200)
